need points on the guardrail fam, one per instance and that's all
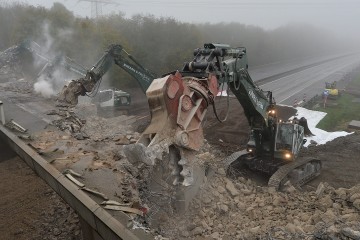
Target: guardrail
(2, 115)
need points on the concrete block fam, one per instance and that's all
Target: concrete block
(354, 124)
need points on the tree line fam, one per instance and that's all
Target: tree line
(160, 44)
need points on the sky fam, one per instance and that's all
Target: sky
(337, 15)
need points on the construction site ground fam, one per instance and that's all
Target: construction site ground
(225, 208)
(30, 209)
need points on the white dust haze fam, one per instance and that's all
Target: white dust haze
(52, 80)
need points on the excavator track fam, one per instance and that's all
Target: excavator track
(281, 176)
(298, 172)
(232, 162)
(233, 157)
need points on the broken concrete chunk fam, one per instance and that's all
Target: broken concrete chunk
(124, 209)
(72, 172)
(289, 188)
(25, 137)
(231, 188)
(71, 178)
(341, 193)
(348, 232)
(223, 208)
(99, 194)
(215, 235)
(196, 231)
(137, 153)
(326, 202)
(221, 171)
(112, 202)
(320, 189)
(354, 197)
(220, 189)
(356, 204)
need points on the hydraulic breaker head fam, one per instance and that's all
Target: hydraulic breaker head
(70, 93)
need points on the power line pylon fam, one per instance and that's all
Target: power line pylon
(96, 6)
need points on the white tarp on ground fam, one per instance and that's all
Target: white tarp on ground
(313, 118)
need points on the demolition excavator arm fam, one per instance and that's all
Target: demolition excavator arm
(179, 101)
(65, 62)
(114, 54)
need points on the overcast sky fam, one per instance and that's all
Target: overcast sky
(339, 15)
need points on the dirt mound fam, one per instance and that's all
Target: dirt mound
(340, 159)
(30, 209)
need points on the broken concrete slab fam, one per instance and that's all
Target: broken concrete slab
(124, 209)
(99, 194)
(71, 178)
(354, 124)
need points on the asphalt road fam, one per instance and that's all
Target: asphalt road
(289, 81)
(29, 113)
(274, 69)
(309, 81)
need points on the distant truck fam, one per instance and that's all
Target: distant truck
(112, 102)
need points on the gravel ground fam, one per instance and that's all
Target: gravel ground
(29, 208)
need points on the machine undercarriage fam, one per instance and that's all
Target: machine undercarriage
(279, 171)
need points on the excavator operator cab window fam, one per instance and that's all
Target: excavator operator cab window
(284, 137)
(122, 100)
(105, 96)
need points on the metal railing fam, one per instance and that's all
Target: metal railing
(2, 115)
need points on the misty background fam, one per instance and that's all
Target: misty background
(162, 35)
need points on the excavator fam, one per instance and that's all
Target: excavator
(178, 102)
(107, 100)
(90, 82)
(67, 63)
(331, 91)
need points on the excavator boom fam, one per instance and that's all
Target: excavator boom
(114, 54)
(179, 101)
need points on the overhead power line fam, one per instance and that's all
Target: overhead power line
(96, 6)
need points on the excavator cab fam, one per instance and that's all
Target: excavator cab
(288, 140)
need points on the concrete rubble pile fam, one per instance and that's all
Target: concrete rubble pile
(239, 209)
(100, 150)
(69, 122)
(9, 63)
(82, 122)
(11, 71)
(224, 208)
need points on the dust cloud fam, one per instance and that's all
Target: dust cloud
(44, 88)
(53, 75)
